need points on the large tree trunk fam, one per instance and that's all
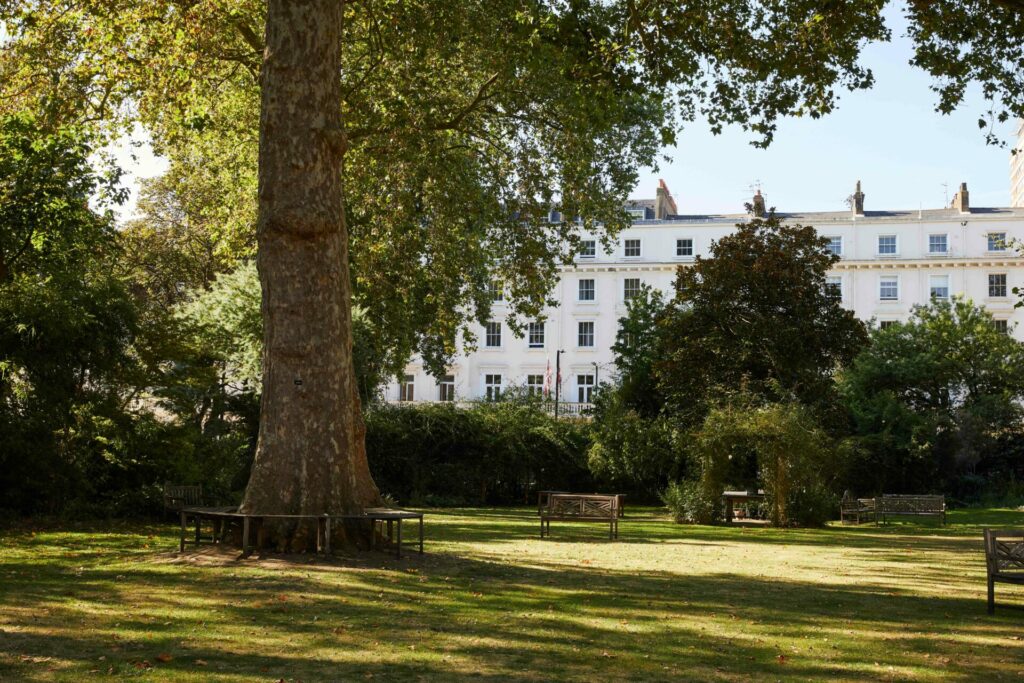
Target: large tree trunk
(311, 455)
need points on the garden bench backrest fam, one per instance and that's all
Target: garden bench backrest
(911, 504)
(582, 506)
(1004, 551)
(177, 496)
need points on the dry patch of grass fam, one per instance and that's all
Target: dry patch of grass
(492, 601)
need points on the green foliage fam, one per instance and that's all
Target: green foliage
(775, 446)
(630, 450)
(755, 316)
(933, 399)
(634, 349)
(492, 452)
(688, 502)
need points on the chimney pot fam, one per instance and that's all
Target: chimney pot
(961, 200)
(759, 210)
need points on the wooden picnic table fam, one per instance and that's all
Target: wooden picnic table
(221, 517)
(733, 497)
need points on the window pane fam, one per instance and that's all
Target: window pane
(588, 248)
(535, 335)
(997, 284)
(937, 244)
(406, 389)
(496, 291)
(1001, 326)
(887, 244)
(584, 388)
(585, 337)
(586, 291)
(492, 387)
(684, 247)
(834, 287)
(835, 245)
(938, 286)
(997, 241)
(631, 287)
(446, 388)
(493, 337)
(885, 324)
(889, 289)
(632, 248)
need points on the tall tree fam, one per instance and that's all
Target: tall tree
(311, 455)
(756, 315)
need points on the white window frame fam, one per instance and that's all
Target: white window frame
(487, 335)
(995, 248)
(1005, 285)
(680, 246)
(407, 389)
(588, 246)
(446, 389)
(626, 247)
(625, 285)
(836, 282)
(945, 238)
(585, 390)
(593, 290)
(491, 391)
(932, 287)
(882, 278)
(896, 246)
(496, 290)
(830, 239)
(535, 389)
(531, 329)
(593, 334)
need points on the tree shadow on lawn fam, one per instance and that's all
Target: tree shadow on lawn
(451, 617)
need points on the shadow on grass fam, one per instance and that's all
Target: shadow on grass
(452, 617)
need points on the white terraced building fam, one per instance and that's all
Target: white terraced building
(891, 261)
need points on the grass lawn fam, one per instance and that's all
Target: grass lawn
(491, 601)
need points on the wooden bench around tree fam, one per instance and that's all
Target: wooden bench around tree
(178, 496)
(222, 518)
(898, 505)
(581, 507)
(1004, 560)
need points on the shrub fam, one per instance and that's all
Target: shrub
(487, 453)
(688, 502)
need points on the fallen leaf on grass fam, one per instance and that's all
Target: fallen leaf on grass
(782, 659)
(200, 662)
(164, 657)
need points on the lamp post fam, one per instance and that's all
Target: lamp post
(558, 377)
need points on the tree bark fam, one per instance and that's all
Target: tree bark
(311, 453)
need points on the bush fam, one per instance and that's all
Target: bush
(488, 453)
(688, 503)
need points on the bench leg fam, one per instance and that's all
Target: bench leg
(398, 546)
(421, 535)
(197, 529)
(991, 596)
(183, 525)
(245, 535)
(327, 536)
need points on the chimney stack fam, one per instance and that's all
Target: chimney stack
(858, 201)
(759, 210)
(961, 200)
(664, 205)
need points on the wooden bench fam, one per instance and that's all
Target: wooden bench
(1004, 560)
(856, 508)
(178, 496)
(542, 500)
(893, 505)
(580, 507)
(222, 518)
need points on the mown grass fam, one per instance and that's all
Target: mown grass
(491, 601)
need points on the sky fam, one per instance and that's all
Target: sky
(906, 154)
(890, 138)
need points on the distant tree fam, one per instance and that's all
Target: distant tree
(634, 349)
(756, 316)
(66, 322)
(932, 398)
